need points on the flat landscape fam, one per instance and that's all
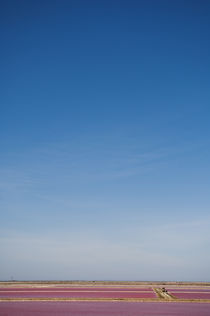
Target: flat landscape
(103, 309)
(190, 293)
(77, 292)
(89, 298)
(105, 158)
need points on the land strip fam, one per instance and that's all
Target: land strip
(85, 299)
(102, 292)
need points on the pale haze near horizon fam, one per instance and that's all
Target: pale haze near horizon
(104, 134)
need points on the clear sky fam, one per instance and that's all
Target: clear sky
(105, 140)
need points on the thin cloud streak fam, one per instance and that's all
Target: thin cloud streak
(67, 164)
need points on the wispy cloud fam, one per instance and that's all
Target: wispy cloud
(70, 161)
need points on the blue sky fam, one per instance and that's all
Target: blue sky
(104, 140)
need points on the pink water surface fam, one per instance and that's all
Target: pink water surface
(189, 289)
(74, 288)
(103, 309)
(192, 295)
(76, 294)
